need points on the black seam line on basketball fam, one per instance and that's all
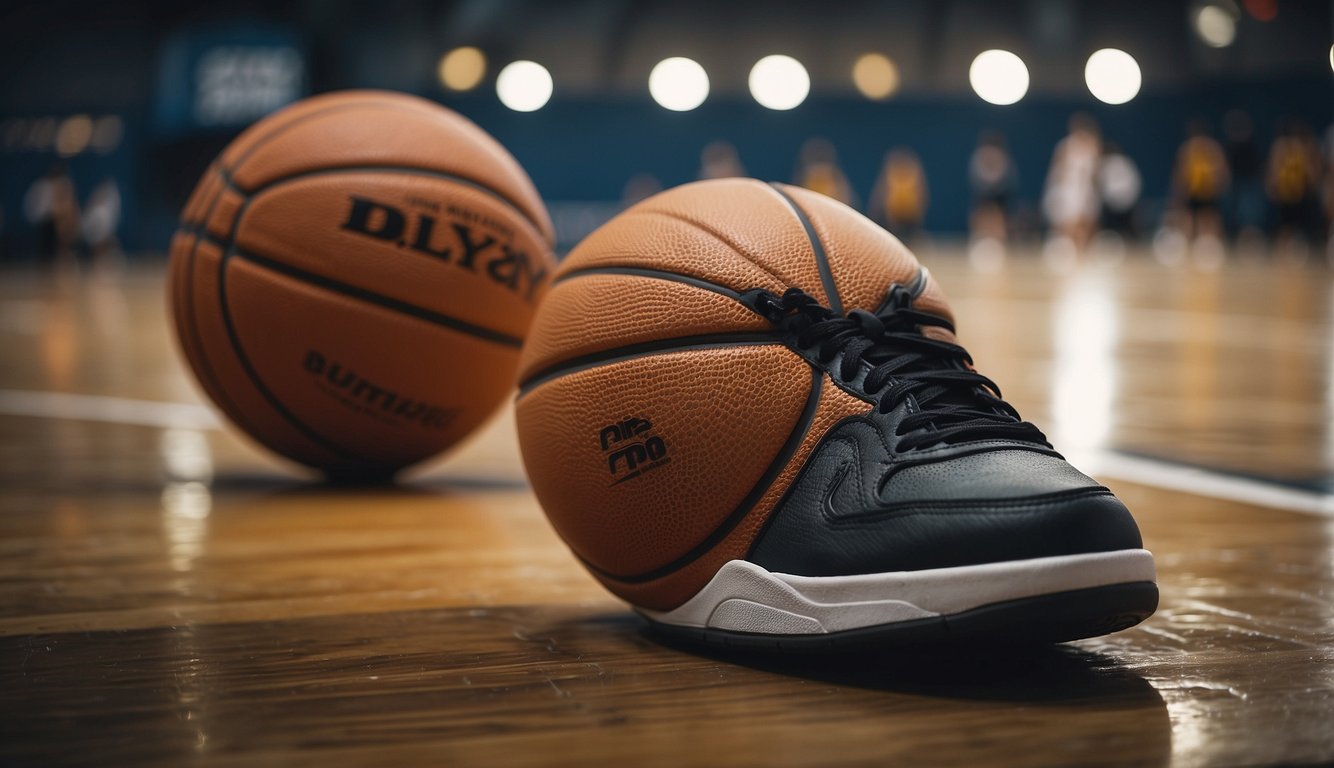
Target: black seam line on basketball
(436, 318)
(821, 260)
(655, 274)
(648, 349)
(226, 173)
(400, 169)
(784, 457)
(214, 385)
(711, 232)
(193, 326)
(251, 373)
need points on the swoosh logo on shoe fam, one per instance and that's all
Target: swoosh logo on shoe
(828, 505)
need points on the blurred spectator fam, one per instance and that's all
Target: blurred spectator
(101, 221)
(1070, 196)
(720, 160)
(1293, 181)
(1119, 187)
(818, 171)
(52, 208)
(1247, 209)
(1200, 179)
(992, 179)
(900, 196)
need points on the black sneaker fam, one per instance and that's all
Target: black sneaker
(938, 515)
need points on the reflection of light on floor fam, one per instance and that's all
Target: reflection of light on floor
(186, 504)
(190, 691)
(185, 509)
(1196, 339)
(1085, 333)
(1329, 382)
(1329, 567)
(185, 455)
(1192, 706)
(60, 345)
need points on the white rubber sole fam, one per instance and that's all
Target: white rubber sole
(743, 597)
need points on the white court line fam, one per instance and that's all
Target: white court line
(1205, 482)
(1159, 474)
(113, 410)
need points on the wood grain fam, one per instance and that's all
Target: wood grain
(173, 596)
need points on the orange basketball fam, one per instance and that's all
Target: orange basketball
(354, 277)
(661, 418)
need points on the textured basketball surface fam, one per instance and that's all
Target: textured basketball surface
(661, 420)
(354, 277)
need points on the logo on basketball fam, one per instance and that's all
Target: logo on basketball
(360, 394)
(631, 450)
(459, 244)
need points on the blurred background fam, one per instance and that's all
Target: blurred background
(1193, 128)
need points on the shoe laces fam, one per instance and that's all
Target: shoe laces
(949, 402)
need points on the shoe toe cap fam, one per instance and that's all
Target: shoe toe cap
(980, 508)
(970, 532)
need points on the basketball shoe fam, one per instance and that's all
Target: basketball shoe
(940, 514)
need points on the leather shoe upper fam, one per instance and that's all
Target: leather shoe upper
(860, 505)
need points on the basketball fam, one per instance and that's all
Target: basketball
(353, 279)
(661, 416)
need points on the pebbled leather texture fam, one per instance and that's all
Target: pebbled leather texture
(599, 312)
(862, 506)
(722, 416)
(737, 233)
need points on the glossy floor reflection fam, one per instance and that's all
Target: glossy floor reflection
(170, 594)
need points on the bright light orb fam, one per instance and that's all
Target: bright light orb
(1215, 26)
(462, 69)
(1112, 75)
(875, 76)
(524, 86)
(779, 82)
(678, 84)
(999, 77)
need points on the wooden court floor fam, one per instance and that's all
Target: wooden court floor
(171, 595)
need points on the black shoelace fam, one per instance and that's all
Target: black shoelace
(951, 403)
